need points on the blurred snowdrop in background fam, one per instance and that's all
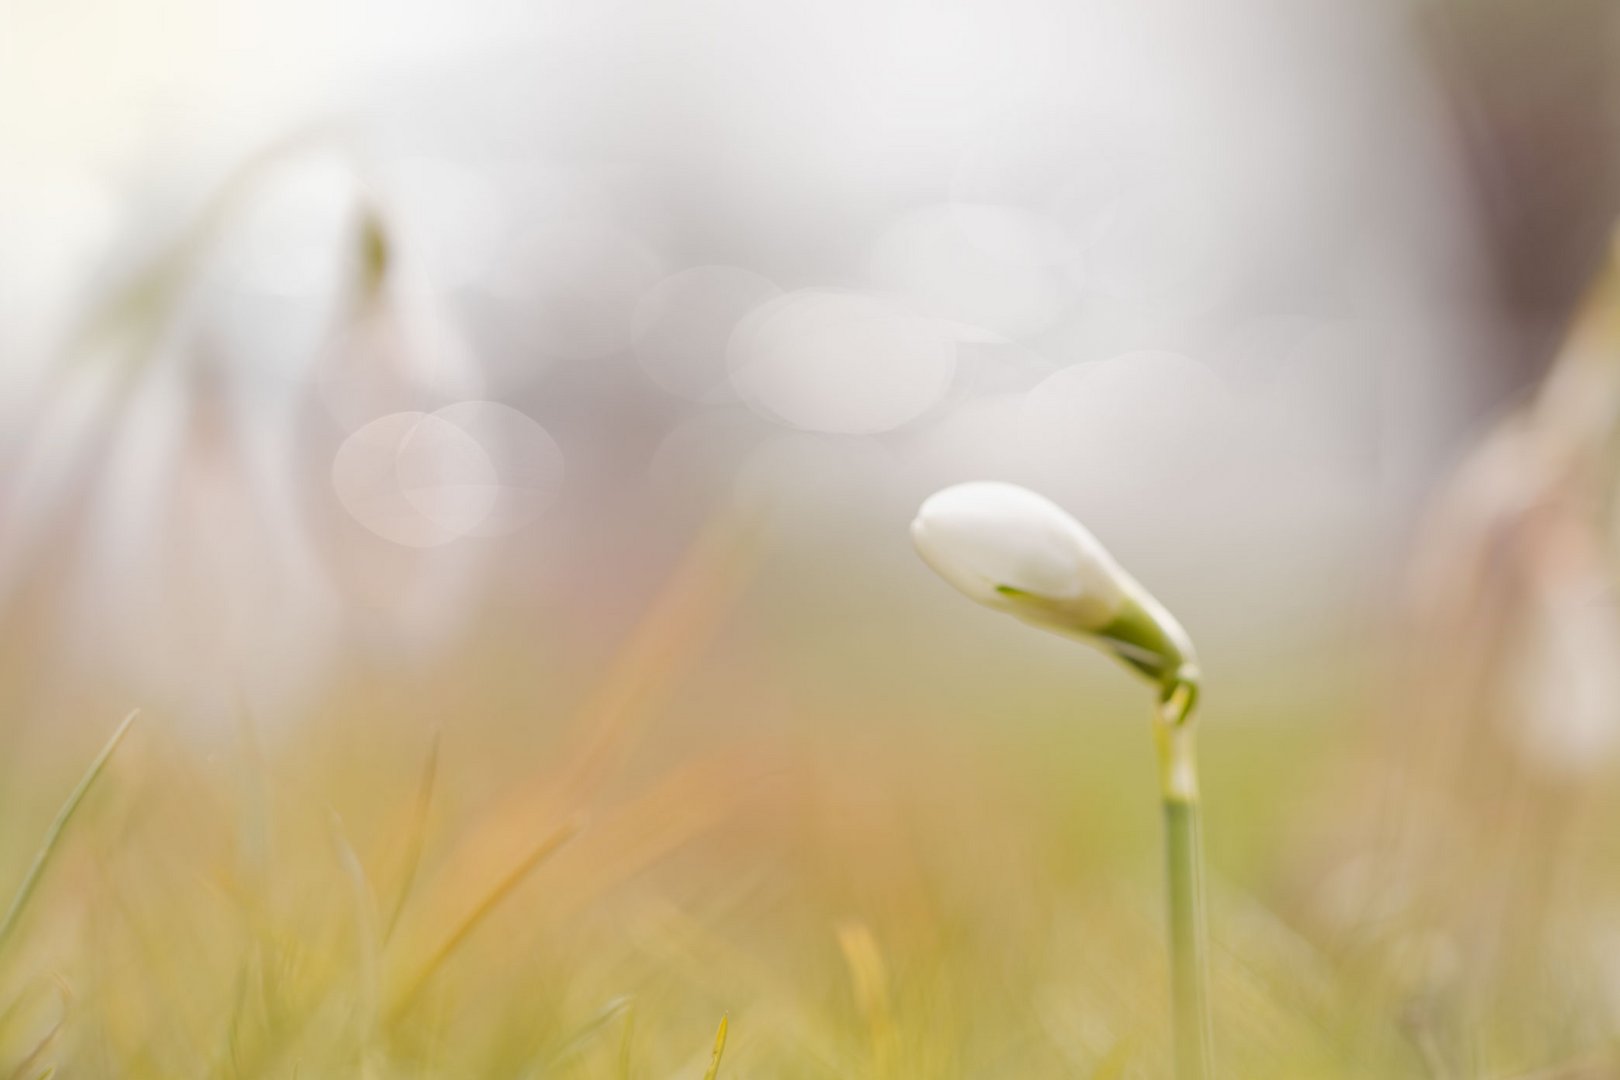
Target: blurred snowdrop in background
(178, 477)
(415, 479)
(1031, 243)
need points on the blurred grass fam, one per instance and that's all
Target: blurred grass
(945, 874)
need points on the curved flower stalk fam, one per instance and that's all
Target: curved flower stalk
(1018, 552)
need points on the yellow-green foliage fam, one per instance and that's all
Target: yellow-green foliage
(487, 869)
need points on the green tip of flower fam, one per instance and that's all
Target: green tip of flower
(1143, 636)
(1148, 638)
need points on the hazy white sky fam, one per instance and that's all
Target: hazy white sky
(1191, 269)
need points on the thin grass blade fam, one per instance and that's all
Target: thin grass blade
(719, 1049)
(368, 944)
(627, 1041)
(481, 911)
(53, 835)
(581, 1038)
(415, 840)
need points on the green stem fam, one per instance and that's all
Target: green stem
(1184, 878)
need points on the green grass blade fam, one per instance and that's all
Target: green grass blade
(42, 858)
(416, 837)
(719, 1049)
(41, 1048)
(470, 922)
(367, 943)
(627, 1041)
(581, 1038)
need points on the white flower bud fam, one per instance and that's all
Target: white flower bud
(1019, 552)
(1005, 546)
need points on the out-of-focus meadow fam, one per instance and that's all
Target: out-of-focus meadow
(480, 439)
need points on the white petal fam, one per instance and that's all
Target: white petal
(984, 536)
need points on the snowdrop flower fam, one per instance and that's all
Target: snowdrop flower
(1015, 551)
(1019, 552)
